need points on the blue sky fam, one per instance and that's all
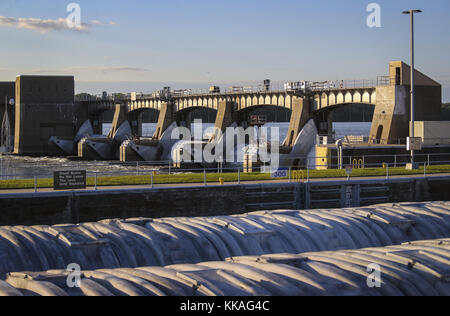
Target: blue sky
(138, 45)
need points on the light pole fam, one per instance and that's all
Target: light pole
(412, 136)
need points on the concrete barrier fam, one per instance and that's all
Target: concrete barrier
(51, 208)
(413, 269)
(159, 242)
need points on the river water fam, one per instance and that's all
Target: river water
(13, 167)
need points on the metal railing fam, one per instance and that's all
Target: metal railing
(363, 139)
(256, 88)
(153, 174)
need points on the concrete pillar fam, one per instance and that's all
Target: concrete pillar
(299, 117)
(119, 117)
(390, 120)
(165, 119)
(225, 115)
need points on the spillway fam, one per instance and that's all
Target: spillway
(413, 269)
(145, 242)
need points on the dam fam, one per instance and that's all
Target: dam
(54, 123)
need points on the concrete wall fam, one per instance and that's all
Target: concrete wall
(433, 133)
(68, 207)
(393, 105)
(165, 119)
(391, 117)
(45, 107)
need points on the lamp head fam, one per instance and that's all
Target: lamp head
(412, 11)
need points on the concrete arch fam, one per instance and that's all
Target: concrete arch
(274, 100)
(98, 109)
(257, 106)
(140, 110)
(243, 102)
(357, 97)
(348, 97)
(340, 98)
(332, 99)
(373, 97)
(288, 102)
(248, 101)
(281, 101)
(331, 108)
(324, 99)
(195, 108)
(255, 101)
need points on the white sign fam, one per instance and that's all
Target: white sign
(414, 143)
(280, 173)
(348, 169)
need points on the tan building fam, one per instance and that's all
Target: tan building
(433, 133)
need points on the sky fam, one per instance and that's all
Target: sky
(142, 45)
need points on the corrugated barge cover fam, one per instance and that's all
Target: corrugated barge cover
(143, 242)
(413, 269)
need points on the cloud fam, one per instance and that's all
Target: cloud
(48, 25)
(100, 23)
(94, 69)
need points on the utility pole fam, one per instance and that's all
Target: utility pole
(412, 134)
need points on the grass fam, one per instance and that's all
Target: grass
(227, 177)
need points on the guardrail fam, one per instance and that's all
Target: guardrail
(256, 87)
(150, 173)
(364, 139)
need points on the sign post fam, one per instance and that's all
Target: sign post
(69, 180)
(348, 171)
(414, 143)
